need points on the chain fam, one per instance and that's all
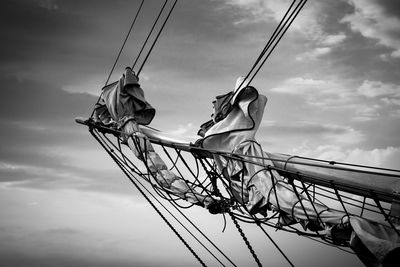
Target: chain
(245, 239)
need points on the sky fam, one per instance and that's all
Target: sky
(333, 93)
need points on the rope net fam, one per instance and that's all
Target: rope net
(247, 184)
(195, 170)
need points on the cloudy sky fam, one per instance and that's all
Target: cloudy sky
(333, 90)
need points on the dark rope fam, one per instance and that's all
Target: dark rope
(158, 35)
(275, 244)
(120, 50)
(123, 44)
(149, 201)
(241, 156)
(151, 31)
(177, 220)
(271, 39)
(126, 161)
(301, 4)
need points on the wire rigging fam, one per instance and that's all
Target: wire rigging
(209, 186)
(129, 166)
(241, 214)
(120, 50)
(299, 7)
(275, 38)
(124, 42)
(271, 39)
(149, 34)
(148, 199)
(156, 39)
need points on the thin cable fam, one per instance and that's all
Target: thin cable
(123, 44)
(158, 35)
(120, 50)
(270, 41)
(239, 156)
(148, 36)
(272, 49)
(176, 219)
(126, 160)
(149, 201)
(276, 245)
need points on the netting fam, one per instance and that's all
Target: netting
(197, 169)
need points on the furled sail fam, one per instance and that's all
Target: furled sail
(252, 178)
(262, 189)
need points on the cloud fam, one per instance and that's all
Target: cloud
(379, 89)
(309, 23)
(184, 129)
(315, 53)
(48, 4)
(43, 148)
(309, 87)
(324, 47)
(334, 39)
(303, 137)
(372, 21)
(321, 94)
(329, 133)
(384, 99)
(370, 100)
(379, 157)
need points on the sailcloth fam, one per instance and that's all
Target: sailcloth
(260, 188)
(123, 104)
(253, 180)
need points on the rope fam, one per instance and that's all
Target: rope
(275, 244)
(271, 39)
(149, 201)
(120, 50)
(126, 161)
(123, 44)
(240, 156)
(158, 35)
(299, 6)
(151, 31)
(250, 220)
(245, 239)
(278, 31)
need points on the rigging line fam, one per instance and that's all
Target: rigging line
(151, 31)
(176, 219)
(123, 44)
(205, 236)
(354, 201)
(387, 218)
(328, 244)
(158, 35)
(273, 242)
(149, 201)
(271, 39)
(120, 50)
(272, 49)
(174, 205)
(349, 164)
(276, 32)
(232, 155)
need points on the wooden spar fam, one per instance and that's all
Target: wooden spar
(385, 186)
(382, 186)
